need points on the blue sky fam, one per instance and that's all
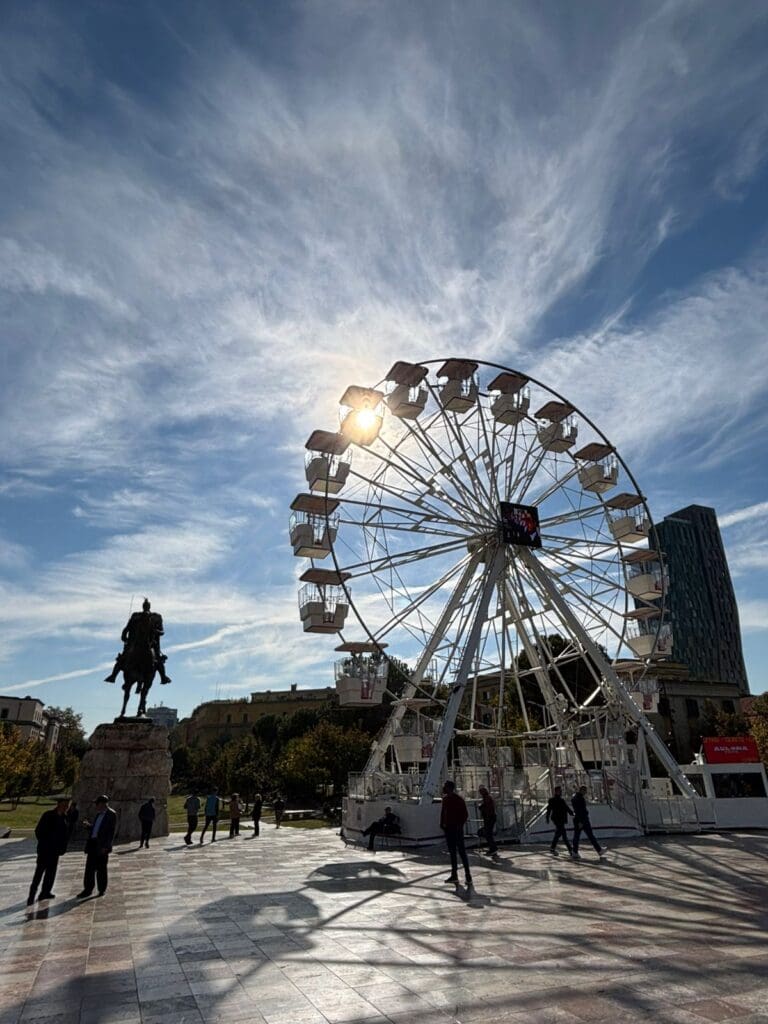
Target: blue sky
(216, 216)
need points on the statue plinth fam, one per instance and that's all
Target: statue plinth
(130, 761)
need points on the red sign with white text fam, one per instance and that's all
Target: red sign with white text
(730, 750)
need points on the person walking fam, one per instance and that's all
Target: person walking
(212, 807)
(147, 814)
(256, 813)
(487, 809)
(453, 817)
(558, 812)
(192, 807)
(98, 846)
(278, 806)
(235, 810)
(52, 835)
(581, 823)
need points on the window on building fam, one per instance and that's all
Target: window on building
(245, 718)
(691, 707)
(229, 719)
(729, 707)
(3, 712)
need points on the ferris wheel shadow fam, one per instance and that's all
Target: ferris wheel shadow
(348, 877)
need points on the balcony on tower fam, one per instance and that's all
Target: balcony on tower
(407, 394)
(646, 576)
(512, 405)
(313, 526)
(627, 520)
(361, 414)
(459, 393)
(327, 461)
(598, 467)
(323, 602)
(361, 677)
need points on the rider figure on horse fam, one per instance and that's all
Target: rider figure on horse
(143, 629)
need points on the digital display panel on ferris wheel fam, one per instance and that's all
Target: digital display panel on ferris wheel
(520, 524)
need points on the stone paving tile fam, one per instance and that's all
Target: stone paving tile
(299, 930)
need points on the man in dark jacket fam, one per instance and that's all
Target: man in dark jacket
(487, 808)
(387, 825)
(52, 835)
(581, 822)
(147, 818)
(98, 846)
(558, 811)
(453, 818)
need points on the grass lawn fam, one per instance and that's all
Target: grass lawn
(26, 814)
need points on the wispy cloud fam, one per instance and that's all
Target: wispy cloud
(742, 515)
(199, 254)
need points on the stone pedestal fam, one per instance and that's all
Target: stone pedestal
(130, 761)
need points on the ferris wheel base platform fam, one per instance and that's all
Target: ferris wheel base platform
(420, 823)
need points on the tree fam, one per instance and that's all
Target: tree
(757, 720)
(713, 721)
(15, 761)
(321, 758)
(71, 733)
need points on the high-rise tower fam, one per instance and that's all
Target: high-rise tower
(701, 602)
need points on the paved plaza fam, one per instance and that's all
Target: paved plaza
(293, 928)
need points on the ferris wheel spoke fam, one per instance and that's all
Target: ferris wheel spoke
(448, 462)
(557, 484)
(405, 466)
(587, 602)
(530, 466)
(381, 745)
(402, 558)
(420, 505)
(411, 528)
(465, 457)
(575, 567)
(490, 451)
(575, 515)
(570, 543)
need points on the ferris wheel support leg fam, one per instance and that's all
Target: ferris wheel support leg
(534, 659)
(615, 685)
(445, 736)
(380, 746)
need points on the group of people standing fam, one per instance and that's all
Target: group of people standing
(237, 808)
(53, 833)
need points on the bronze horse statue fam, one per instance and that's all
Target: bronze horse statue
(138, 669)
(141, 657)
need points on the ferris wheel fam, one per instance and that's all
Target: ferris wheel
(470, 521)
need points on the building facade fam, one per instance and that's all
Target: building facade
(701, 603)
(228, 719)
(28, 715)
(161, 715)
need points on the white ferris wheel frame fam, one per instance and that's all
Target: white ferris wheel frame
(422, 517)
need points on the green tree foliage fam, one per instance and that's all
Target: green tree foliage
(757, 719)
(18, 764)
(322, 758)
(71, 745)
(713, 721)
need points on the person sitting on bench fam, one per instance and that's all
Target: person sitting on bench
(388, 825)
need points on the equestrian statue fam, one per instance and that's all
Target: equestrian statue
(140, 657)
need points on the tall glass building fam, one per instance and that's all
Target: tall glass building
(701, 602)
